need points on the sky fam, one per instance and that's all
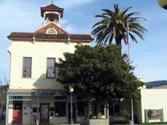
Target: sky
(148, 56)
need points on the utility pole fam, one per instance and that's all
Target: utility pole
(131, 100)
(38, 113)
(71, 100)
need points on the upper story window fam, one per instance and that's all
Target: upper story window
(27, 63)
(51, 70)
(51, 31)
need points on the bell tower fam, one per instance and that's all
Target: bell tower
(52, 14)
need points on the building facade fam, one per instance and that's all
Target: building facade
(34, 95)
(152, 106)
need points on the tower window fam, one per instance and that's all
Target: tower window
(52, 17)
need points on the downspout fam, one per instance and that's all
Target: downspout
(7, 96)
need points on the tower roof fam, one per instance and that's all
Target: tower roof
(52, 7)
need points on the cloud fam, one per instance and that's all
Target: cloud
(19, 15)
(73, 3)
(73, 29)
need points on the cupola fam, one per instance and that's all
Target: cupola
(52, 14)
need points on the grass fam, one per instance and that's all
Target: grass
(157, 123)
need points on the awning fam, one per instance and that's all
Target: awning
(27, 94)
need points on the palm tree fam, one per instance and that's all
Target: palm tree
(118, 25)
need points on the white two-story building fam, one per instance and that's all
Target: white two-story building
(33, 88)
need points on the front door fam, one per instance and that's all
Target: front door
(17, 112)
(74, 116)
(44, 114)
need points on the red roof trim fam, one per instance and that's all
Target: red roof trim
(49, 37)
(52, 7)
(51, 25)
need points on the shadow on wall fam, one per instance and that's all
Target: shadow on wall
(47, 83)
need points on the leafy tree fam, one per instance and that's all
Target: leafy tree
(3, 92)
(117, 25)
(99, 73)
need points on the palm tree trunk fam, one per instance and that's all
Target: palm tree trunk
(118, 43)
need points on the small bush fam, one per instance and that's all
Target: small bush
(125, 114)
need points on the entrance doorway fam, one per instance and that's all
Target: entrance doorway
(74, 107)
(17, 112)
(44, 114)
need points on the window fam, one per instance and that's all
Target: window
(51, 31)
(60, 109)
(51, 73)
(52, 17)
(27, 62)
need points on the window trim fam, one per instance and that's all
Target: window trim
(47, 68)
(25, 77)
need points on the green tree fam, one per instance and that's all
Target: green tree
(117, 25)
(99, 73)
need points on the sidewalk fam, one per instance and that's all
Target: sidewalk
(123, 124)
